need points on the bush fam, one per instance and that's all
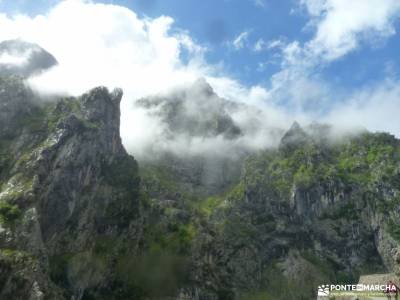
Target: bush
(9, 212)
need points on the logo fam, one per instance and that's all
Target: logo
(355, 290)
(323, 290)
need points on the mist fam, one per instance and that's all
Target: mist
(111, 46)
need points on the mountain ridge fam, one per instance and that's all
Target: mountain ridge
(82, 219)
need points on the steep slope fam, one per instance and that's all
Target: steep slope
(194, 120)
(319, 208)
(305, 214)
(76, 222)
(194, 111)
(68, 191)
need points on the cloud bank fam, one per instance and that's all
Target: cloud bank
(338, 28)
(98, 44)
(341, 26)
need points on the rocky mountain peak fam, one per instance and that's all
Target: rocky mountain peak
(18, 57)
(78, 220)
(193, 111)
(66, 183)
(294, 137)
(103, 106)
(201, 85)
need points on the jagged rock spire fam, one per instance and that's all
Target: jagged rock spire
(294, 137)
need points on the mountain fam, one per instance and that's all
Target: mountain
(80, 218)
(307, 214)
(195, 111)
(193, 120)
(18, 57)
(69, 192)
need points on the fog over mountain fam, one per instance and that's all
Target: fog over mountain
(194, 120)
(150, 56)
(19, 57)
(184, 119)
(132, 168)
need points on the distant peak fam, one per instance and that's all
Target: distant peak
(295, 126)
(294, 137)
(201, 85)
(22, 58)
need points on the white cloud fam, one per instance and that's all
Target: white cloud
(275, 44)
(262, 45)
(375, 107)
(260, 3)
(98, 44)
(341, 25)
(241, 40)
(9, 58)
(259, 45)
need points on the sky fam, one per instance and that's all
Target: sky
(332, 61)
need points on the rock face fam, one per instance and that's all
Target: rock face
(327, 212)
(191, 117)
(195, 111)
(18, 57)
(69, 190)
(76, 222)
(17, 103)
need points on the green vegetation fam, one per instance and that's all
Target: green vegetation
(368, 158)
(358, 161)
(122, 172)
(254, 218)
(304, 177)
(58, 269)
(277, 286)
(263, 295)
(208, 206)
(14, 256)
(162, 267)
(159, 179)
(152, 275)
(9, 213)
(346, 211)
(237, 192)
(321, 264)
(171, 236)
(394, 230)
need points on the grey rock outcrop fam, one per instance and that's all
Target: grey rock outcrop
(67, 184)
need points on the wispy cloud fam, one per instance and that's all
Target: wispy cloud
(376, 107)
(110, 45)
(340, 26)
(241, 40)
(260, 3)
(262, 45)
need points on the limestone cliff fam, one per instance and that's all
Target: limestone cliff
(68, 189)
(80, 220)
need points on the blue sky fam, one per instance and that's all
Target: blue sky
(216, 23)
(328, 60)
